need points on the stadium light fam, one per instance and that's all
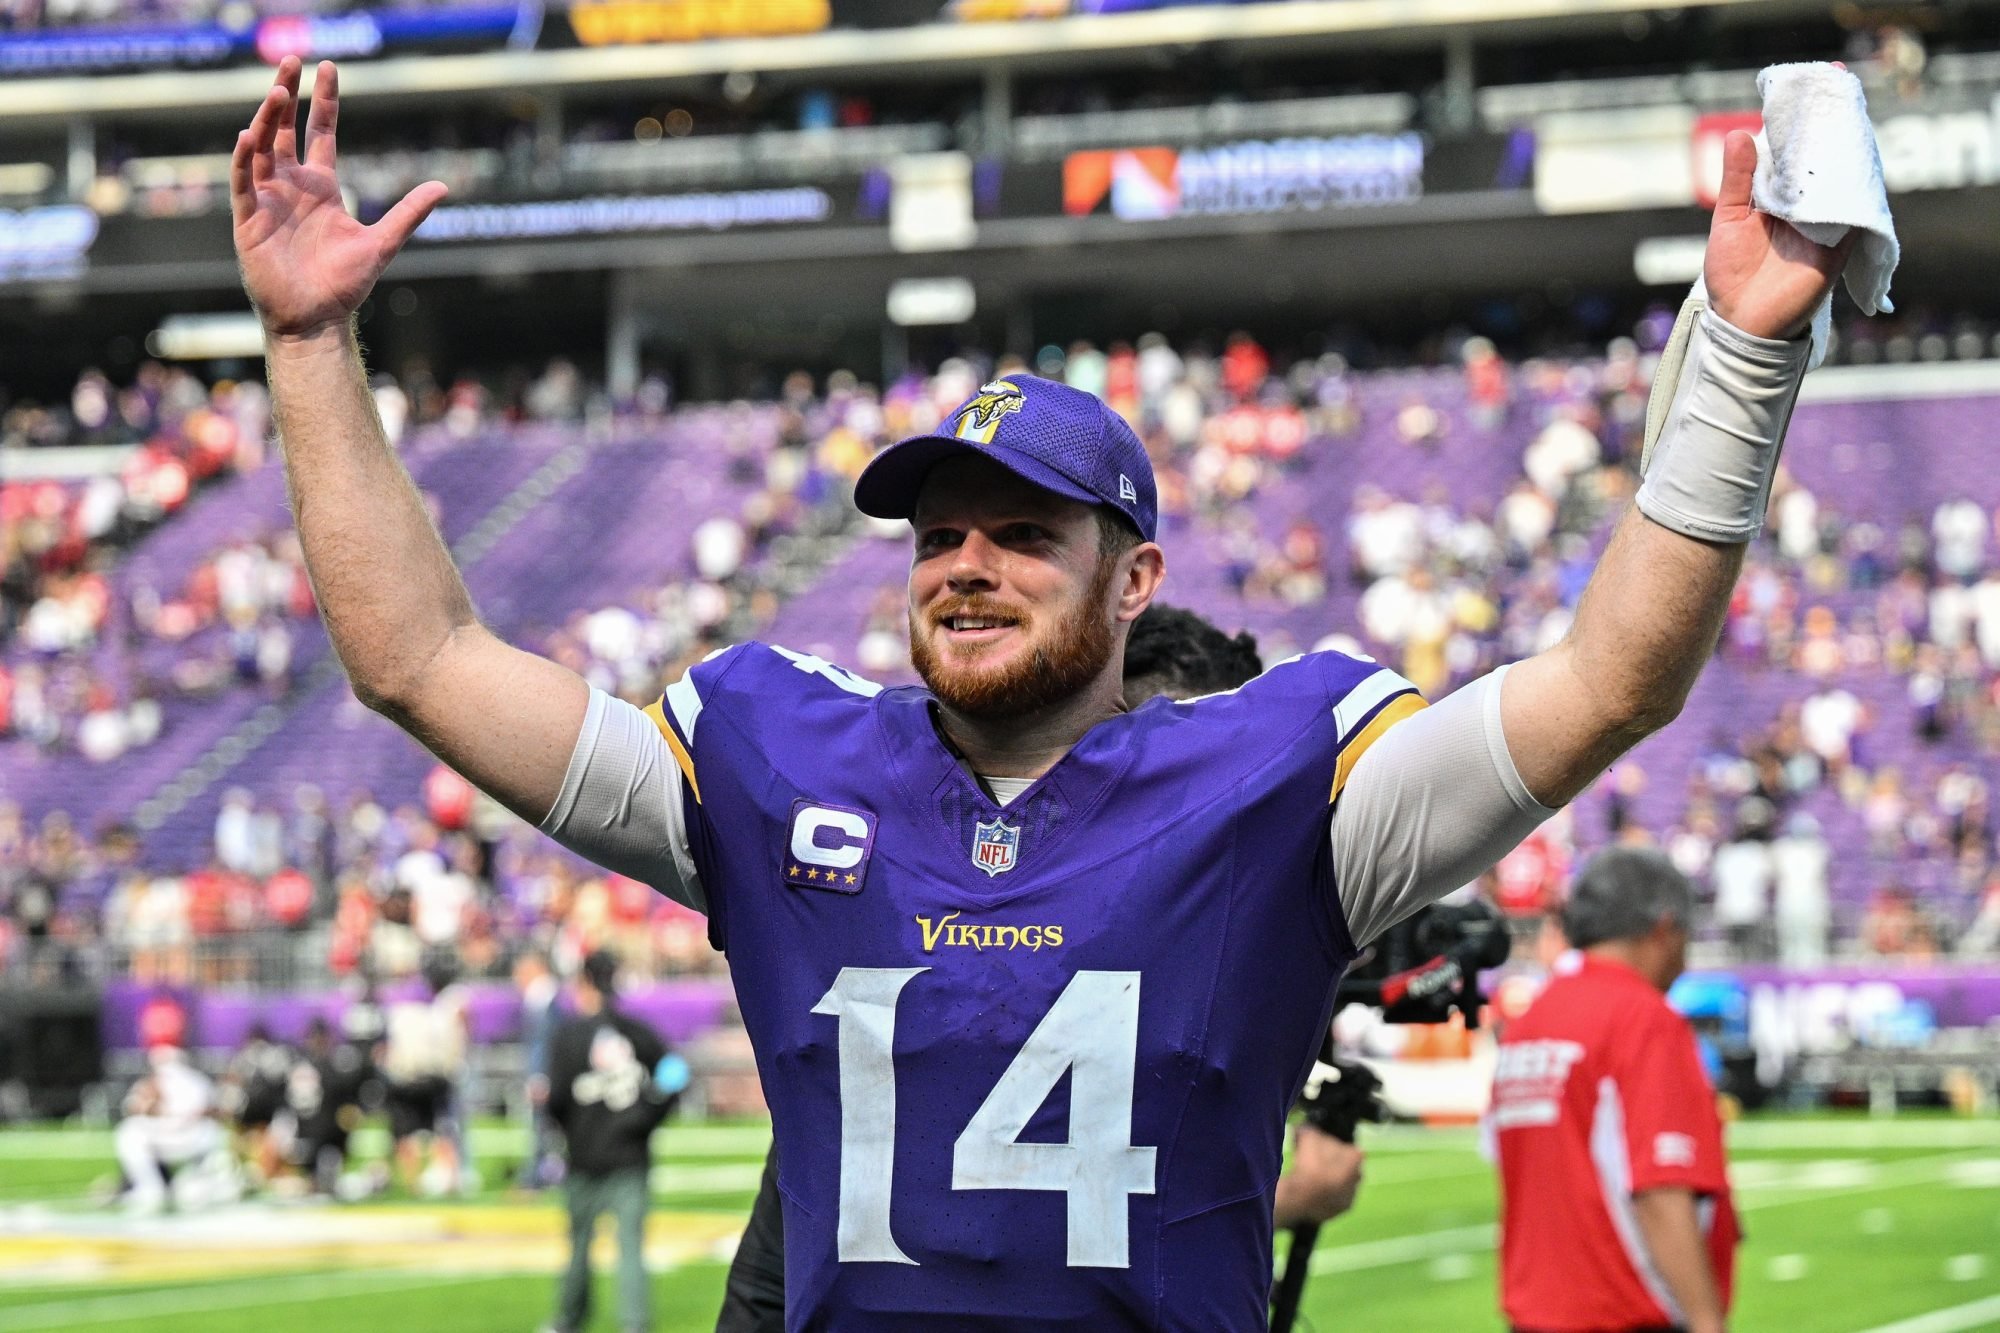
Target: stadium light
(206, 337)
(917, 302)
(1669, 261)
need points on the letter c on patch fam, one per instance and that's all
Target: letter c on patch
(837, 839)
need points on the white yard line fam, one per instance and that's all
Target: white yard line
(1404, 1249)
(1893, 1175)
(1396, 1171)
(1956, 1319)
(1886, 1133)
(1479, 1239)
(235, 1296)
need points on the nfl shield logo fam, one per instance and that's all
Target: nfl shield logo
(994, 846)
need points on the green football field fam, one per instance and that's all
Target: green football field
(1853, 1224)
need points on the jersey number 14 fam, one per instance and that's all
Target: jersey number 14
(1092, 1031)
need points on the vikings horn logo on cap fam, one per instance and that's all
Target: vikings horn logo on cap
(981, 417)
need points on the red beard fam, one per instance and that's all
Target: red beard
(1052, 672)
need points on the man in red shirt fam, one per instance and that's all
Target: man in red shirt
(1615, 1205)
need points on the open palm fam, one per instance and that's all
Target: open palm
(1761, 274)
(306, 263)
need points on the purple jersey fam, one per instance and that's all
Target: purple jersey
(1028, 1066)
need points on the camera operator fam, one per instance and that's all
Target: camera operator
(1171, 653)
(1325, 1176)
(1424, 969)
(1615, 1204)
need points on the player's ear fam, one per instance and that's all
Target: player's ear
(1144, 569)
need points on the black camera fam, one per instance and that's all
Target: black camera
(1425, 967)
(1422, 970)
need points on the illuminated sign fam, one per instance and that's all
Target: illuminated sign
(614, 214)
(363, 33)
(45, 242)
(1256, 177)
(1006, 11)
(629, 22)
(115, 48)
(318, 39)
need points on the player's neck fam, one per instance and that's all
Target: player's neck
(1030, 744)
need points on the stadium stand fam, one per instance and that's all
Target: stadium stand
(1855, 684)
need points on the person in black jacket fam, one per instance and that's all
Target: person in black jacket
(612, 1080)
(322, 1096)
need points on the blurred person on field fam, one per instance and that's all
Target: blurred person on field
(171, 1124)
(323, 1095)
(1615, 1202)
(253, 1092)
(1742, 873)
(539, 990)
(423, 1062)
(612, 1080)
(1800, 863)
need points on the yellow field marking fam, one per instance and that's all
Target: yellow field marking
(396, 1238)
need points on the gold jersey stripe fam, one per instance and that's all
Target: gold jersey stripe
(681, 756)
(1350, 755)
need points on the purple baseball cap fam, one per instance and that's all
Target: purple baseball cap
(1058, 438)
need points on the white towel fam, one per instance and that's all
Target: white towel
(1818, 169)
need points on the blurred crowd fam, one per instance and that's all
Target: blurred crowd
(309, 891)
(1890, 631)
(1882, 753)
(67, 634)
(87, 660)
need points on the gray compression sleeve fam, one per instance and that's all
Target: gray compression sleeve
(1720, 404)
(1429, 808)
(621, 802)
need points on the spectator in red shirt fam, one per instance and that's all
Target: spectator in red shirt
(1245, 367)
(1615, 1203)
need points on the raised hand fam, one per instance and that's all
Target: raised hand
(1762, 276)
(307, 265)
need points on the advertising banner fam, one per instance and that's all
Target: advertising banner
(1824, 1004)
(1253, 178)
(221, 1020)
(108, 49)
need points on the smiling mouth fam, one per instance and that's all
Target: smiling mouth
(970, 630)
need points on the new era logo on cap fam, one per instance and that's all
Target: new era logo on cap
(1056, 437)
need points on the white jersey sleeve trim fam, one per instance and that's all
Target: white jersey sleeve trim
(1365, 698)
(621, 801)
(685, 703)
(1429, 808)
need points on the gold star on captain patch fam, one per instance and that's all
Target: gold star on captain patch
(850, 879)
(812, 874)
(797, 871)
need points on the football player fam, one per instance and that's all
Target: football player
(1032, 978)
(1172, 653)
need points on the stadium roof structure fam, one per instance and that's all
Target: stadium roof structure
(923, 51)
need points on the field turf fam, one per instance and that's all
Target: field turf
(1853, 1224)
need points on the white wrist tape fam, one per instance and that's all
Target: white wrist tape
(1720, 403)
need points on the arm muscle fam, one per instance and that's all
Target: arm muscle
(1643, 630)
(394, 603)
